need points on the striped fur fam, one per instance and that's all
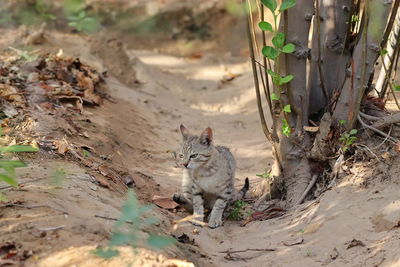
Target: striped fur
(208, 177)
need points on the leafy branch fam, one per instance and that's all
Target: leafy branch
(274, 52)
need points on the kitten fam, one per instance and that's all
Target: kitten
(208, 177)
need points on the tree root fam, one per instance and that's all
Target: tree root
(387, 121)
(310, 185)
(376, 130)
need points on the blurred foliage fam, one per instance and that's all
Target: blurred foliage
(127, 230)
(8, 175)
(73, 13)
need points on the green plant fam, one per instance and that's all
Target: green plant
(347, 139)
(273, 53)
(78, 18)
(8, 166)
(265, 175)
(58, 176)
(34, 12)
(126, 231)
(26, 55)
(238, 211)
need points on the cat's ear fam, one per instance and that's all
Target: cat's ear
(184, 131)
(206, 136)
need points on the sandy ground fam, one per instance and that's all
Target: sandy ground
(140, 130)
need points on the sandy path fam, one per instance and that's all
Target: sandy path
(178, 90)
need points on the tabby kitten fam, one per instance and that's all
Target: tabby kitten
(208, 177)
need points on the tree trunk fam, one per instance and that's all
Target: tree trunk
(363, 62)
(334, 57)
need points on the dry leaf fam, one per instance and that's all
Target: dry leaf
(62, 146)
(165, 202)
(398, 146)
(87, 84)
(11, 94)
(355, 243)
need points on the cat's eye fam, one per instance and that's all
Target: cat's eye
(181, 156)
(194, 156)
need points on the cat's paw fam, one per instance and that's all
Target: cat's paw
(179, 199)
(214, 223)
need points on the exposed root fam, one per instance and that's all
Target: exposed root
(392, 139)
(310, 185)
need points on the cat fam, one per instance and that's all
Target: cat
(208, 177)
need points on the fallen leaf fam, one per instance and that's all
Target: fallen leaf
(165, 202)
(398, 146)
(196, 55)
(87, 84)
(355, 243)
(11, 94)
(62, 146)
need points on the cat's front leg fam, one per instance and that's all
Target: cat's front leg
(217, 211)
(198, 205)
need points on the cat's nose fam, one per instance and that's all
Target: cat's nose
(185, 164)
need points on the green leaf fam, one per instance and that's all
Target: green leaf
(353, 132)
(274, 96)
(285, 79)
(12, 163)
(105, 253)
(288, 48)
(90, 25)
(342, 122)
(120, 239)
(279, 40)
(397, 87)
(270, 4)
(383, 52)
(73, 6)
(287, 4)
(18, 148)
(9, 180)
(286, 130)
(159, 242)
(265, 26)
(270, 52)
(287, 109)
(273, 74)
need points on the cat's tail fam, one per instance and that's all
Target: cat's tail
(245, 188)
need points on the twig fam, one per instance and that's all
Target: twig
(293, 244)
(321, 74)
(368, 149)
(249, 249)
(390, 23)
(376, 130)
(391, 86)
(51, 228)
(310, 185)
(256, 83)
(31, 207)
(110, 218)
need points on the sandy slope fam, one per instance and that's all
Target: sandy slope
(189, 91)
(143, 127)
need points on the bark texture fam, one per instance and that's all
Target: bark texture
(362, 63)
(333, 20)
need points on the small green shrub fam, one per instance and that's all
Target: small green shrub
(8, 174)
(239, 211)
(127, 230)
